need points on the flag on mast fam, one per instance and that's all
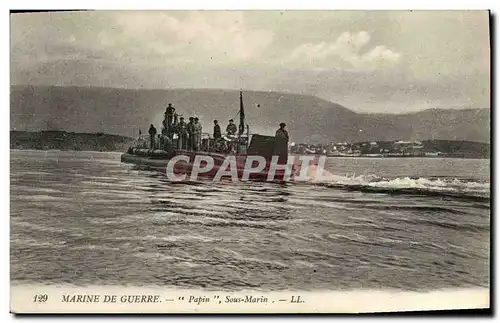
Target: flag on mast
(242, 115)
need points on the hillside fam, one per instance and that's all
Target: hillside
(309, 119)
(44, 140)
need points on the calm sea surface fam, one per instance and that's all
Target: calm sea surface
(414, 224)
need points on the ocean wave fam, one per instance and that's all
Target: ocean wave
(36, 189)
(372, 183)
(36, 227)
(33, 243)
(221, 257)
(95, 247)
(178, 238)
(460, 226)
(220, 222)
(353, 237)
(41, 198)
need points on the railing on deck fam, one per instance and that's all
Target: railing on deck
(226, 144)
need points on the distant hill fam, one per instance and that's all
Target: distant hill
(62, 140)
(308, 118)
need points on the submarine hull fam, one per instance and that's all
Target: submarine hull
(180, 168)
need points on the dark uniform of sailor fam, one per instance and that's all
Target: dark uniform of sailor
(183, 135)
(217, 132)
(231, 131)
(169, 115)
(231, 128)
(190, 132)
(152, 135)
(282, 133)
(281, 145)
(198, 129)
(217, 137)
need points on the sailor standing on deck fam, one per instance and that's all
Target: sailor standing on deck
(281, 144)
(217, 136)
(169, 114)
(217, 132)
(282, 133)
(197, 133)
(231, 128)
(152, 135)
(231, 132)
(190, 132)
(183, 135)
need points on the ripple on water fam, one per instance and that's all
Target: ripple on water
(86, 213)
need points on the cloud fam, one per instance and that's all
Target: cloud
(209, 37)
(372, 68)
(346, 51)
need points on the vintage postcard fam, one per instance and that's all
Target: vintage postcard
(249, 161)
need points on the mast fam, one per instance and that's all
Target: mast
(242, 116)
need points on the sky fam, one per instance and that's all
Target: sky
(368, 61)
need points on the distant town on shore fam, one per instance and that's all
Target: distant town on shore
(396, 148)
(62, 140)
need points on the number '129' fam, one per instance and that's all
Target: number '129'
(40, 298)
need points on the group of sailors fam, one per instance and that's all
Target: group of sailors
(189, 135)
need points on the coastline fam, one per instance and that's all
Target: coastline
(444, 156)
